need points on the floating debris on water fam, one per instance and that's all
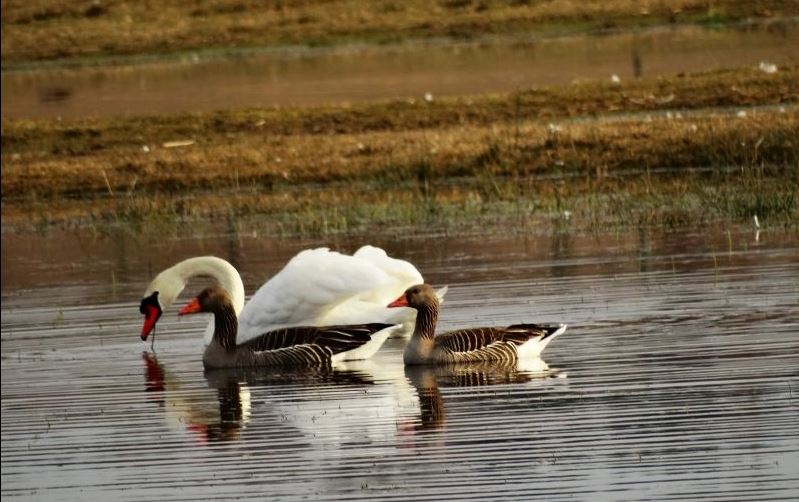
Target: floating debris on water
(178, 143)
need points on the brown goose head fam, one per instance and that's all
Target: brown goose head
(213, 299)
(417, 297)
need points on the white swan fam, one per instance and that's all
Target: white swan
(317, 287)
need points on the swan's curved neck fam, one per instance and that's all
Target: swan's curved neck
(171, 281)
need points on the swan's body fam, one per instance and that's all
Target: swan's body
(474, 345)
(294, 347)
(318, 287)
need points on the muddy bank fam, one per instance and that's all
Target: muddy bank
(380, 73)
(657, 151)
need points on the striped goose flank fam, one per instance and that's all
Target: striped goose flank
(496, 345)
(295, 347)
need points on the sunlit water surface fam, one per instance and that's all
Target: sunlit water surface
(677, 379)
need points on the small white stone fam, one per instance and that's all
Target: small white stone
(767, 67)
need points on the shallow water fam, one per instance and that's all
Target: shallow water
(357, 74)
(677, 379)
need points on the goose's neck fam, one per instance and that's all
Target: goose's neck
(226, 326)
(426, 318)
(223, 272)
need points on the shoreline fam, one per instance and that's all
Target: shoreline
(664, 151)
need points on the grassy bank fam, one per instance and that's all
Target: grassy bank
(82, 31)
(686, 150)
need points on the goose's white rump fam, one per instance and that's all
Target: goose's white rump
(318, 287)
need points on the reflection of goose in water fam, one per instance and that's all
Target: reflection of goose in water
(218, 413)
(427, 380)
(223, 415)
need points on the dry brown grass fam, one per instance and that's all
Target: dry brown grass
(457, 137)
(610, 153)
(43, 29)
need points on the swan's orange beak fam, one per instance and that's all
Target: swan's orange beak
(192, 308)
(402, 301)
(151, 316)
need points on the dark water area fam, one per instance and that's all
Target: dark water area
(413, 71)
(677, 378)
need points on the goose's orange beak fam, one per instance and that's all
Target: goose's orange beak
(151, 316)
(402, 301)
(192, 308)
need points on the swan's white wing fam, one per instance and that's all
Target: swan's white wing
(371, 304)
(312, 284)
(400, 270)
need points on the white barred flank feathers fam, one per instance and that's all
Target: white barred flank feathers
(295, 347)
(489, 344)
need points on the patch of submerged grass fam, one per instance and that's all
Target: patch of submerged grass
(750, 191)
(668, 200)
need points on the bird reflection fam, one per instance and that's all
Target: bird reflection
(207, 417)
(223, 416)
(427, 380)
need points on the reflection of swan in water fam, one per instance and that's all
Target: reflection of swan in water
(427, 380)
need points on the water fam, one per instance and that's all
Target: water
(677, 379)
(356, 74)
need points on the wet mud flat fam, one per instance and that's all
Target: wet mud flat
(677, 378)
(413, 72)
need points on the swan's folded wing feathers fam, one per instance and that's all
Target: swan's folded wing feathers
(312, 283)
(400, 270)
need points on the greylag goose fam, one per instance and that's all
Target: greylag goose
(317, 287)
(471, 345)
(294, 347)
